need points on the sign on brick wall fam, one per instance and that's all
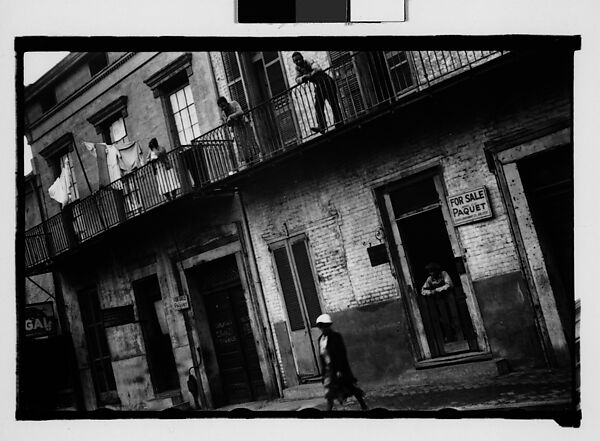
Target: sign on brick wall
(470, 206)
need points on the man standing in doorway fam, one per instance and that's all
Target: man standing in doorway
(325, 89)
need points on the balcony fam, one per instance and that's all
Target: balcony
(364, 83)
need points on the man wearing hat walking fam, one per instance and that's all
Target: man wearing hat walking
(338, 379)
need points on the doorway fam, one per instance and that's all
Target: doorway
(548, 184)
(423, 235)
(298, 286)
(268, 82)
(157, 340)
(235, 375)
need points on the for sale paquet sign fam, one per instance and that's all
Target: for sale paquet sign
(470, 206)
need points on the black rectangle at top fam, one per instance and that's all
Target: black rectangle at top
(266, 11)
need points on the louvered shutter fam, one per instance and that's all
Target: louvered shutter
(307, 281)
(346, 79)
(235, 83)
(290, 295)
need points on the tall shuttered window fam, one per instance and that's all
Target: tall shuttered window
(297, 282)
(97, 346)
(233, 75)
(345, 74)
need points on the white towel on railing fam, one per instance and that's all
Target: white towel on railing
(59, 190)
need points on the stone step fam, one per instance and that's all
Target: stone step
(455, 371)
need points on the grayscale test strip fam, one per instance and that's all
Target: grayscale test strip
(320, 11)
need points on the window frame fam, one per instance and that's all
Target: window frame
(172, 112)
(53, 155)
(168, 79)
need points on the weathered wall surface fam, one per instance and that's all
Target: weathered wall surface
(135, 253)
(327, 193)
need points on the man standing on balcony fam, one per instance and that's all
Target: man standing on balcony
(325, 89)
(233, 115)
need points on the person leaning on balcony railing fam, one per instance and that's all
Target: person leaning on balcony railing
(233, 115)
(325, 89)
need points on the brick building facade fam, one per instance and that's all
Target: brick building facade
(224, 282)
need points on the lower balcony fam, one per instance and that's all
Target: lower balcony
(357, 86)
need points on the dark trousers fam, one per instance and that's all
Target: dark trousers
(247, 145)
(325, 89)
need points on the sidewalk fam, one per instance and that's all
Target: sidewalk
(540, 390)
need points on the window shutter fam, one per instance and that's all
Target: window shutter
(347, 82)
(286, 279)
(307, 281)
(233, 74)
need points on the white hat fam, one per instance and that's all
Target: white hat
(324, 318)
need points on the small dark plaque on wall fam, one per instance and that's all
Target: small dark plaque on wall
(121, 315)
(378, 255)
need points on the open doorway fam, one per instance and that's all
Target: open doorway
(548, 184)
(423, 235)
(159, 352)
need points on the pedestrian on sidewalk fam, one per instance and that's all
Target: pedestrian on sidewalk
(338, 379)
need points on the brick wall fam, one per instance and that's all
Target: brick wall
(328, 193)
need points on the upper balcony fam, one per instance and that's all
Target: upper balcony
(356, 87)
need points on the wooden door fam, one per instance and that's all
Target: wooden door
(273, 79)
(301, 300)
(234, 345)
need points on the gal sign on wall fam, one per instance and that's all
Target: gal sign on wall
(470, 206)
(39, 320)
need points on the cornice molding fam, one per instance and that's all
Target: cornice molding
(180, 64)
(93, 81)
(65, 142)
(118, 106)
(63, 66)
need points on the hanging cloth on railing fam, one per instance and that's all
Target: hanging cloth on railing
(59, 190)
(131, 156)
(112, 161)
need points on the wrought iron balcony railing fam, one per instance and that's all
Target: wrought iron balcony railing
(355, 86)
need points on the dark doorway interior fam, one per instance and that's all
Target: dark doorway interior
(233, 340)
(424, 236)
(548, 183)
(159, 351)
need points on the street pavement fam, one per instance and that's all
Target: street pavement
(539, 390)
